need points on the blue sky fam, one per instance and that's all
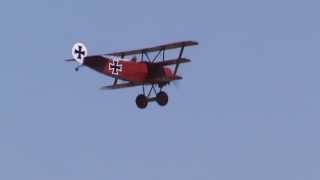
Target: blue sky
(248, 107)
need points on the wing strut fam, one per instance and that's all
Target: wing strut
(180, 56)
(115, 81)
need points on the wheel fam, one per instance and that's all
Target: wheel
(162, 98)
(141, 101)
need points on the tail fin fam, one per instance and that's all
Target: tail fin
(79, 52)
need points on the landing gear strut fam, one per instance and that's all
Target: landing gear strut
(161, 97)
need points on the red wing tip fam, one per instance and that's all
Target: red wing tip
(177, 77)
(195, 42)
(106, 88)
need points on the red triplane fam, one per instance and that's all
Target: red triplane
(134, 72)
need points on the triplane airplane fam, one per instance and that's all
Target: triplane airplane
(143, 72)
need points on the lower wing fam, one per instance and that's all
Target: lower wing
(120, 86)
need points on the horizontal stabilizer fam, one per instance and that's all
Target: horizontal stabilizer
(70, 60)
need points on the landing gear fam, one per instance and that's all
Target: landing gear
(77, 68)
(142, 101)
(161, 98)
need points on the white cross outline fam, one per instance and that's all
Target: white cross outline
(117, 69)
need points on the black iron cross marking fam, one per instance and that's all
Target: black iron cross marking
(79, 52)
(115, 67)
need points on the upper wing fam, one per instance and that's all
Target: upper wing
(154, 49)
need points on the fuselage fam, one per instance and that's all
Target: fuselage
(128, 70)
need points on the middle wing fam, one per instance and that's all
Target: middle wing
(173, 62)
(133, 84)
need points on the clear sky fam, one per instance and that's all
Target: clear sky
(247, 109)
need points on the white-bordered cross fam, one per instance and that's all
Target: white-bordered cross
(115, 67)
